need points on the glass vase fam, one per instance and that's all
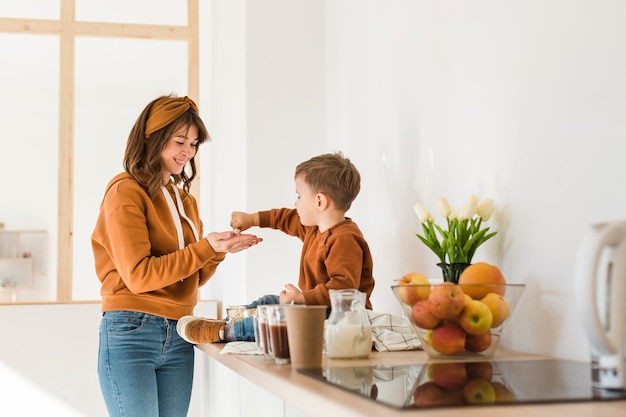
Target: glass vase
(452, 272)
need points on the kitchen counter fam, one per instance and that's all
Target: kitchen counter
(320, 398)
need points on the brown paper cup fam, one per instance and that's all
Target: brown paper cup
(305, 331)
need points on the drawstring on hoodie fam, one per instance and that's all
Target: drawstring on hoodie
(174, 211)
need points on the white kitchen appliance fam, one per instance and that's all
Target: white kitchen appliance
(601, 298)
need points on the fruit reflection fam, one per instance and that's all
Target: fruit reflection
(458, 383)
(478, 391)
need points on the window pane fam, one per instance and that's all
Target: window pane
(112, 88)
(29, 77)
(165, 12)
(30, 9)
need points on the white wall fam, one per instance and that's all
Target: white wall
(517, 101)
(268, 114)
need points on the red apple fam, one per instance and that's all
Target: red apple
(476, 318)
(430, 394)
(448, 339)
(422, 315)
(478, 343)
(413, 287)
(449, 375)
(482, 370)
(447, 300)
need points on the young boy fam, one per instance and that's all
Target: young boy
(335, 254)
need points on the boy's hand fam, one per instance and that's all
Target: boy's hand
(243, 221)
(291, 294)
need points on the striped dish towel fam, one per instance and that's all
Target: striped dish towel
(392, 333)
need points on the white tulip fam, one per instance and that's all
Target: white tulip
(470, 208)
(444, 208)
(486, 209)
(422, 213)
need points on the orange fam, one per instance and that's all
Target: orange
(482, 273)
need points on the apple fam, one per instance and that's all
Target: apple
(503, 394)
(478, 391)
(422, 315)
(448, 339)
(413, 287)
(500, 308)
(447, 300)
(428, 337)
(478, 343)
(449, 375)
(476, 318)
(427, 394)
(482, 370)
(430, 394)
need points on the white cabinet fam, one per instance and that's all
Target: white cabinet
(229, 394)
(23, 258)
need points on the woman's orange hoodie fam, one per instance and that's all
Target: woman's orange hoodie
(137, 259)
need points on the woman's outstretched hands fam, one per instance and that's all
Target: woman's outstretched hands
(232, 242)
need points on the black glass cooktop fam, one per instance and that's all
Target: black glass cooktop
(468, 383)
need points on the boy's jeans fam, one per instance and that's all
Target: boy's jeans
(244, 329)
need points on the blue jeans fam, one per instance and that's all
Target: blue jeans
(145, 368)
(244, 329)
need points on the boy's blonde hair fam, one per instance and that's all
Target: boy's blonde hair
(334, 175)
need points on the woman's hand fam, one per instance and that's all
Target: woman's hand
(232, 242)
(243, 221)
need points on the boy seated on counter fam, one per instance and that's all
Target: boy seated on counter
(334, 255)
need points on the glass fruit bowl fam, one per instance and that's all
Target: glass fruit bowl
(458, 321)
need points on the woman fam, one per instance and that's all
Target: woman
(151, 259)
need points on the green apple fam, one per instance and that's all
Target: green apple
(476, 317)
(478, 391)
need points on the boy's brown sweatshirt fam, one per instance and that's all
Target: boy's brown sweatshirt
(336, 259)
(136, 252)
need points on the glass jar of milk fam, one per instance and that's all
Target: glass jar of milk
(348, 332)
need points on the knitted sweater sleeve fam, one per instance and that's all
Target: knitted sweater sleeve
(283, 219)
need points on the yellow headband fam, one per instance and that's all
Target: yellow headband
(166, 110)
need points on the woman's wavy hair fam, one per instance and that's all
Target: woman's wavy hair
(142, 159)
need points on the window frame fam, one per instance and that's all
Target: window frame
(67, 28)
